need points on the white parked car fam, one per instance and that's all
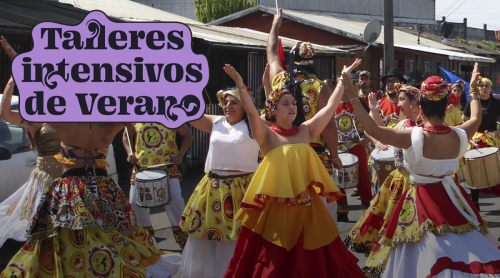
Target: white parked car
(16, 171)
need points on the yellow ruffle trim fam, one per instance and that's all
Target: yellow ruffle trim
(429, 225)
(72, 161)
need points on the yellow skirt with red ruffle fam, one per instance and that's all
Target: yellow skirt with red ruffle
(282, 200)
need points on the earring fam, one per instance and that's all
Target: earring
(416, 120)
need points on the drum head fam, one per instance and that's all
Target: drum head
(480, 153)
(150, 175)
(348, 159)
(387, 155)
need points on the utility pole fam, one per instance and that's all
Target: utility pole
(388, 35)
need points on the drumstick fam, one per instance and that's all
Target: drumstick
(356, 128)
(277, 10)
(128, 137)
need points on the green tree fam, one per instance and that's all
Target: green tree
(210, 10)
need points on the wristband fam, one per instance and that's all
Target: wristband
(242, 89)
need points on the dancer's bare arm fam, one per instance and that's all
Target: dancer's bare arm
(395, 137)
(259, 129)
(324, 116)
(476, 116)
(272, 49)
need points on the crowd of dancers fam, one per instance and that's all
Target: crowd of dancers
(270, 199)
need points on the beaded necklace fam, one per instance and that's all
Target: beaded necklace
(285, 132)
(440, 130)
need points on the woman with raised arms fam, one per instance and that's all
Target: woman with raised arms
(286, 229)
(435, 229)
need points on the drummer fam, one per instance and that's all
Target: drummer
(352, 139)
(155, 148)
(487, 134)
(363, 236)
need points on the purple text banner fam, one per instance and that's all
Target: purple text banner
(101, 71)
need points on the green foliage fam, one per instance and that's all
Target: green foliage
(472, 43)
(458, 39)
(490, 45)
(210, 10)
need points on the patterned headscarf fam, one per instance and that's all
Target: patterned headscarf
(460, 83)
(306, 52)
(434, 88)
(408, 89)
(484, 79)
(221, 95)
(272, 100)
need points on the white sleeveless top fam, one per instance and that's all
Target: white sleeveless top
(231, 148)
(416, 163)
(421, 167)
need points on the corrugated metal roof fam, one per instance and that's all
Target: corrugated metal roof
(248, 37)
(28, 13)
(129, 10)
(354, 28)
(452, 55)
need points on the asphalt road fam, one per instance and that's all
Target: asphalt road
(490, 210)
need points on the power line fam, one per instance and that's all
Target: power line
(457, 8)
(447, 9)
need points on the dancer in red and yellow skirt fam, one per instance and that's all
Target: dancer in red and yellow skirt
(487, 134)
(84, 225)
(364, 235)
(434, 230)
(286, 230)
(315, 94)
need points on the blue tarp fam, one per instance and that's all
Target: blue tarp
(451, 78)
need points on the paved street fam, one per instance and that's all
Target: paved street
(490, 207)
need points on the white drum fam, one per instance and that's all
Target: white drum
(348, 177)
(383, 162)
(151, 188)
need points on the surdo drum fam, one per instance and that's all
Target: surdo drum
(348, 177)
(383, 162)
(151, 188)
(482, 168)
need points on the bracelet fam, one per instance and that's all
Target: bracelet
(337, 158)
(475, 96)
(473, 91)
(242, 89)
(354, 100)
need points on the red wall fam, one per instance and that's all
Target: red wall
(262, 22)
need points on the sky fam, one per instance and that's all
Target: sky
(477, 12)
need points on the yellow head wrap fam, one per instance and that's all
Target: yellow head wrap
(221, 95)
(484, 79)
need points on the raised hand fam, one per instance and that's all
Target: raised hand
(475, 76)
(373, 103)
(354, 65)
(7, 48)
(349, 88)
(265, 76)
(231, 71)
(278, 18)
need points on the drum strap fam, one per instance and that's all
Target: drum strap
(219, 177)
